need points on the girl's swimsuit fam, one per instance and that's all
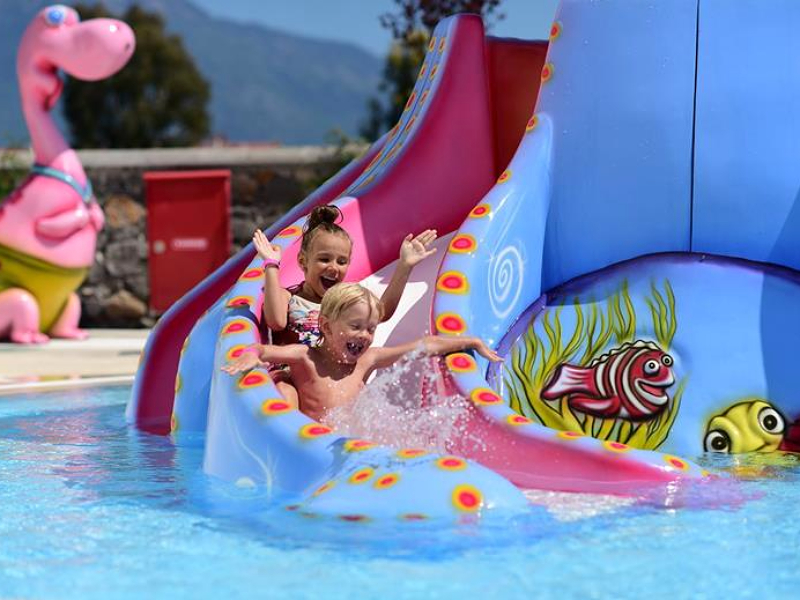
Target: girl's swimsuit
(304, 320)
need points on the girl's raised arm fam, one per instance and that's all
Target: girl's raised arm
(413, 251)
(276, 298)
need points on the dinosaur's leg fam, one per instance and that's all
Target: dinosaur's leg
(67, 324)
(19, 317)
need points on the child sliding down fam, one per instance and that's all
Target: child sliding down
(331, 373)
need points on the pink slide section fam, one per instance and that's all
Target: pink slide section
(447, 151)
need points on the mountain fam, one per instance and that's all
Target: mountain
(267, 85)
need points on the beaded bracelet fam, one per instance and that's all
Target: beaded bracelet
(271, 262)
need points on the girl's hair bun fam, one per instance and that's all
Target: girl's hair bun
(326, 213)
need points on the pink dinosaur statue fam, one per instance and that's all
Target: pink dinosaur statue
(49, 224)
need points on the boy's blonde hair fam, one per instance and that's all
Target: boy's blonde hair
(344, 295)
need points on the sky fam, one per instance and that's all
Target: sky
(357, 21)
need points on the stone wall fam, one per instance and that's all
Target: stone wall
(265, 183)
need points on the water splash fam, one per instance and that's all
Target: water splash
(406, 405)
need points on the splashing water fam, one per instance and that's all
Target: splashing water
(406, 405)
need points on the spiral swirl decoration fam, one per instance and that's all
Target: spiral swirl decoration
(505, 281)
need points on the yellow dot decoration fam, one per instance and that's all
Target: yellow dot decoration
(463, 243)
(432, 43)
(433, 72)
(291, 231)
(461, 362)
(358, 445)
(517, 420)
(178, 384)
(324, 488)
(504, 176)
(555, 30)
(253, 379)
(616, 446)
(450, 323)
(467, 498)
(411, 452)
(485, 396)
(452, 282)
(442, 45)
(238, 301)
(235, 326)
(451, 463)
(676, 463)
(362, 475)
(314, 430)
(173, 423)
(275, 406)
(482, 210)
(532, 123)
(386, 481)
(235, 351)
(547, 72)
(570, 435)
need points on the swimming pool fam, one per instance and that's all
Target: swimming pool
(90, 508)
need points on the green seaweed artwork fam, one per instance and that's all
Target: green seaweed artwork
(597, 328)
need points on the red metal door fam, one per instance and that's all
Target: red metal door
(188, 230)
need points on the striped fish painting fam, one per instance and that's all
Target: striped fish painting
(629, 382)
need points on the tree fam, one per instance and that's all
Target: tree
(158, 99)
(411, 25)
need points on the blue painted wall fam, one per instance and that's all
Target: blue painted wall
(621, 101)
(747, 154)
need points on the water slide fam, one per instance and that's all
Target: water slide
(557, 222)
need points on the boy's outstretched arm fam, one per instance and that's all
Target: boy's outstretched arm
(413, 251)
(258, 354)
(432, 345)
(276, 299)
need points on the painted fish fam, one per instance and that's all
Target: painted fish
(629, 382)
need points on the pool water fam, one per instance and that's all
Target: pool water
(90, 508)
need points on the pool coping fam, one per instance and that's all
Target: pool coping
(12, 386)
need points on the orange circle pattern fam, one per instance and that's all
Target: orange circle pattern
(485, 396)
(675, 462)
(451, 463)
(481, 210)
(240, 301)
(450, 323)
(463, 243)
(467, 498)
(173, 423)
(314, 430)
(504, 176)
(517, 420)
(555, 30)
(570, 435)
(532, 123)
(616, 446)
(253, 379)
(252, 274)
(547, 72)
(357, 445)
(362, 475)
(461, 363)
(275, 406)
(324, 488)
(386, 481)
(291, 231)
(411, 452)
(236, 326)
(452, 282)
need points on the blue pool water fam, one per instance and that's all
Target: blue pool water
(90, 508)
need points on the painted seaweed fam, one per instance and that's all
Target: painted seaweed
(597, 329)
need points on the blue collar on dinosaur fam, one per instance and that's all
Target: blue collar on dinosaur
(85, 192)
